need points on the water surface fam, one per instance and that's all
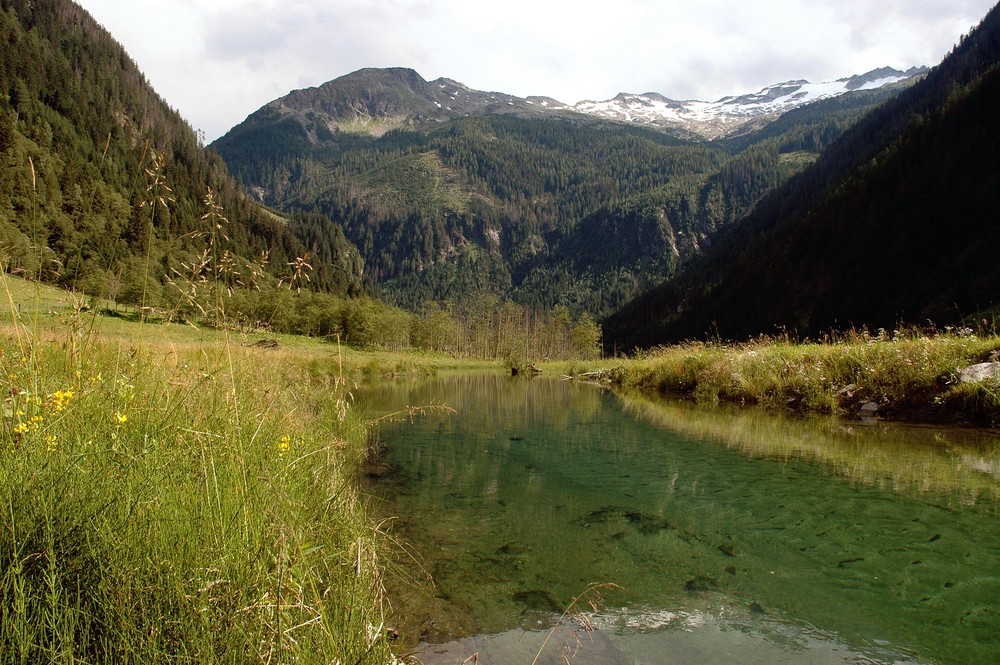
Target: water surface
(715, 536)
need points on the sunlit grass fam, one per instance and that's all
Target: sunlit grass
(179, 495)
(912, 372)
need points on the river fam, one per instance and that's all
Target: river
(549, 521)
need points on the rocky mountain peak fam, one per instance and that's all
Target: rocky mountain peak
(373, 101)
(710, 120)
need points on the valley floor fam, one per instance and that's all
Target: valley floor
(177, 491)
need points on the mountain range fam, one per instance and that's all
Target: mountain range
(726, 116)
(863, 202)
(373, 101)
(446, 190)
(894, 225)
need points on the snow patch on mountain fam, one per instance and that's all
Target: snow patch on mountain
(373, 101)
(714, 119)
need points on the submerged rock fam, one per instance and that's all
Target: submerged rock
(538, 600)
(701, 584)
(647, 524)
(605, 514)
(512, 548)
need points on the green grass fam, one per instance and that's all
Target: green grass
(909, 374)
(172, 494)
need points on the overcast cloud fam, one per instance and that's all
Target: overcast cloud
(217, 61)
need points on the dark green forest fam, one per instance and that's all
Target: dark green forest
(896, 223)
(104, 189)
(564, 211)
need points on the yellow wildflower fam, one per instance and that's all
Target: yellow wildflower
(51, 443)
(283, 445)
(22, 428)
(122, 418)
(60, 398)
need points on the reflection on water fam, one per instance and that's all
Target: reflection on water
(769, 539)
(961, 462)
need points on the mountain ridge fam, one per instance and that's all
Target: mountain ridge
(374, 101)
(446, 190)
(723, 117)
(83, 139)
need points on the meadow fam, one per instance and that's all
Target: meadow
(181, 494)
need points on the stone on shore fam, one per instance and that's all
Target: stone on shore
(979, 372)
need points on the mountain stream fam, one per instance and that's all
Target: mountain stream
(550, 521)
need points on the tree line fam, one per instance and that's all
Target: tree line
(480, 325)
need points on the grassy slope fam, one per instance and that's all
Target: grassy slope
(170, 492)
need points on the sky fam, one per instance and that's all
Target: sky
(218, 61)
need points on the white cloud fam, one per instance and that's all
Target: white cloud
(219, 61)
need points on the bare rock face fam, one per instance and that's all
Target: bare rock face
(980, 372)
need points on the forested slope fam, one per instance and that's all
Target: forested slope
(551, 211)
(102, 185)
(896, 222)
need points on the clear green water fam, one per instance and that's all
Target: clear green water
(730, 536)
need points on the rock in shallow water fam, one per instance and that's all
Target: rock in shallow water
(537, 599)
(701, 584)
(869, 409)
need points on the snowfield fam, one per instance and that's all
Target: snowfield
(713, 119)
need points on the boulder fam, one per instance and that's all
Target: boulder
(979, 372)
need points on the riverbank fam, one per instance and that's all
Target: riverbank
(908, 375)
(175, 493)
